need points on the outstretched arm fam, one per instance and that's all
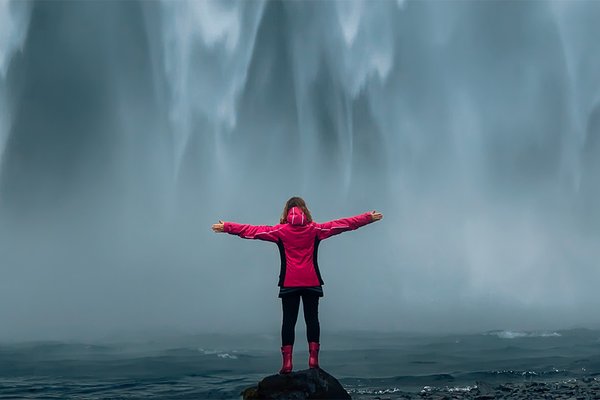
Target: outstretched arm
(338, 226)
(245, 231)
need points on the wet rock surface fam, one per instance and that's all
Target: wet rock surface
(573, 389)
(298, 385)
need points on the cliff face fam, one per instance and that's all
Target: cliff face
(299, 385)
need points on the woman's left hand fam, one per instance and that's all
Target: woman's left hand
(376, 216)
(218, 228)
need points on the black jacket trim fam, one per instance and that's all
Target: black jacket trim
(315, 262)
(283, 264)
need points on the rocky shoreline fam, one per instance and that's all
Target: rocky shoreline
(318, 384)
(571, 389)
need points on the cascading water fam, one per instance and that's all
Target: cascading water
(132, 126)
(207, 49)
(13, 28)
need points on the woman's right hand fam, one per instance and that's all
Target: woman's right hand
(218, 228)
(376, 216)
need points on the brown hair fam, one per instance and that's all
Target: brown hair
(295, 202)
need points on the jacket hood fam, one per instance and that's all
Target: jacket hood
(296, 216)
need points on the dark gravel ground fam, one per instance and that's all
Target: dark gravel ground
(573, 389)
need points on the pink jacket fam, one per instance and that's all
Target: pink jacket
(298, 242)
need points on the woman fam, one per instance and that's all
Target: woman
(298, 238)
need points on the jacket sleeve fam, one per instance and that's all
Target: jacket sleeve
(245, 231)
(338, 226)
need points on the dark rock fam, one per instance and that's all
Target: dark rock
(483, 388)
(300, 385)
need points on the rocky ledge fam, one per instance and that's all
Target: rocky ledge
(298, 385)
(572, 389)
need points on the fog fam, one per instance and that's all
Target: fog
(128, 128)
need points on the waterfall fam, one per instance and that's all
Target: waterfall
(14, 19)
(207, 49)
(127, 128)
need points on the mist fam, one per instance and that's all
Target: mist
(128, 128)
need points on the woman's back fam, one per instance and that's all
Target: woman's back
(298, 241)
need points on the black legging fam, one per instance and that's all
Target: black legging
(291, 305)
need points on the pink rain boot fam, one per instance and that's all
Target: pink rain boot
(313, 358)
(286, 352)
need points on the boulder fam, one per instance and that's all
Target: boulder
(299, 385)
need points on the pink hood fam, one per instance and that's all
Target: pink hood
(296, 216)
